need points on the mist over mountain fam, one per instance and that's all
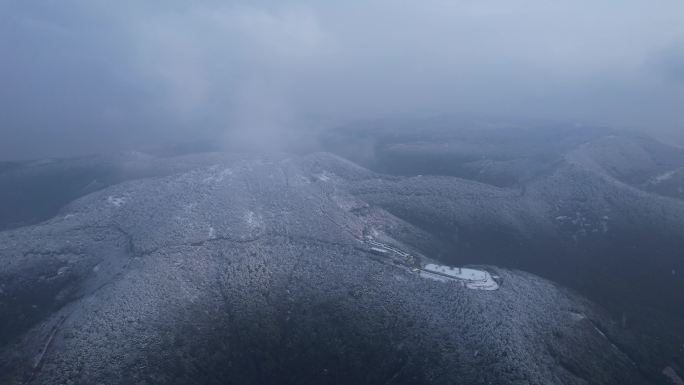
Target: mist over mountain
(270, 253)
(358, 192)
(82, 77)
(274, 251)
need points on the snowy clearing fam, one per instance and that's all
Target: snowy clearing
(471, 278)
(116, 201)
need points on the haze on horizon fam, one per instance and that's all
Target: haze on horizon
(84, 76)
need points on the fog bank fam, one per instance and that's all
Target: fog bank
(81, 76)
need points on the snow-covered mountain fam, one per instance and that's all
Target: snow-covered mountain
(235, 268)
(260, 271)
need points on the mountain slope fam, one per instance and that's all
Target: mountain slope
(259, 271)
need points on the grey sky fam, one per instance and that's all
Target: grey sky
(81, 76)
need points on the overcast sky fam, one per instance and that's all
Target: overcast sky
(80, 76)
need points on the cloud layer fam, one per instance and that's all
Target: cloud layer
(81, 76)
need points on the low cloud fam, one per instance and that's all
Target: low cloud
(82, 76)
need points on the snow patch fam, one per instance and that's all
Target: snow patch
(324, 176)
(218, 176)
(577, 316)
(347, 203)
(400, 278)
(116, 201)
(471, 278)
(253, 220)
(301, 179)
(672, 376)
(662, 177)
(600, 332)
